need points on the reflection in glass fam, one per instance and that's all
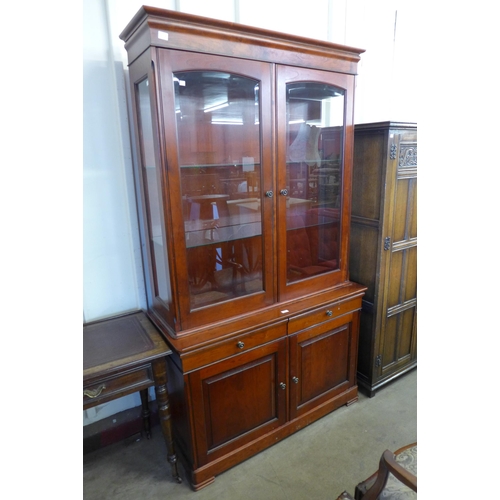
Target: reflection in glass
(153, 193)
(218, 133)
(315, 135)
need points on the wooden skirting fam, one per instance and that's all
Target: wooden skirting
(126, 425)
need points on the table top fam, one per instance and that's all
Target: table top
(120, 342)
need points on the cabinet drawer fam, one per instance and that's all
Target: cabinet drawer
(322, 314)
(236, 345)
(106, 389)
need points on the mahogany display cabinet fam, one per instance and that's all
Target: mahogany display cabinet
(384, 249)
(244, 143)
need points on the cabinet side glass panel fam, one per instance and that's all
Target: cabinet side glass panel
(314, 164)
(153, 195)
(218, 134)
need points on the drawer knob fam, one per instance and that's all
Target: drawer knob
(240, 345)
(329, 313)
(94, 393)
(283, 385)
(295, 380)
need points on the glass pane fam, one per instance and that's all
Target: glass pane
(315, 137)
(153, 195)
(218, 132)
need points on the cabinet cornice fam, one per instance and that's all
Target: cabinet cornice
(153, 27)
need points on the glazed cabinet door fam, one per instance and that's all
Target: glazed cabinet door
(237, 400)
(397, 343)
(216, 124)
(152, 198)
(322, 363)
(314, 131)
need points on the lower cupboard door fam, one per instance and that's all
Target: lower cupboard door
(237, 400)
(322, 365)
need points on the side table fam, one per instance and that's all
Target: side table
(124, 355)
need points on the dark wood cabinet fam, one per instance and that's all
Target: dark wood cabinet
(383, 252)
(244, 142)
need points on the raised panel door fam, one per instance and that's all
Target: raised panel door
(398, 341)
(238, 400)
(322, 363)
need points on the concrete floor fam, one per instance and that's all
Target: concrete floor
(319, 462)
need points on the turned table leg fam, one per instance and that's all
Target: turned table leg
(146, 414)
(160, 376)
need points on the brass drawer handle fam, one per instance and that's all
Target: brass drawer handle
(240, 345)
(94, 393)
(329, 313)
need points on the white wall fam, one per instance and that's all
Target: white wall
(112, 275)
(112, 271)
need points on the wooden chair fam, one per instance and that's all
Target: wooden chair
(396, 477)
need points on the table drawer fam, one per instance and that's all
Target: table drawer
(235, 345)
(322, 314)
(102, 390)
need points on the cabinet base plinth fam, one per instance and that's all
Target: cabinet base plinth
(352, 401)
(196, 486)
